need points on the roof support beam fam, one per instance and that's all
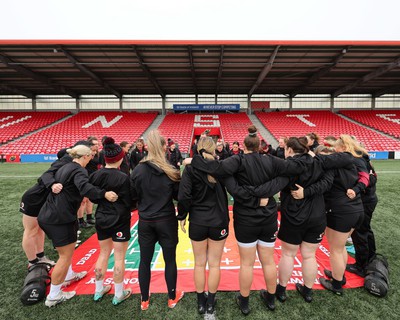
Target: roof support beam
(190, 49)
(221, 62)
(267, 68)
(374, 74)
(15, 90)
(323, 71)
(381, 92)
(87, 71)
(38, 77)
(147, 72)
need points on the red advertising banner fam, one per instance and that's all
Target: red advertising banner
(13, 158)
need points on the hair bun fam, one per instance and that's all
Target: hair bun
(108, 140)
(252, 129)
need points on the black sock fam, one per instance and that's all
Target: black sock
(244, 301)
(270, 297)
(211, 298)
(280, 289)
(336, 284)
(81, 220)
(201, 298)
(40, 255)
(306, 290)
(88, 216)
(36, 260)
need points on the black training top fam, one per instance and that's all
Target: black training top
(206, 202)
(315, 183)
(336, 198)
(252, 169)
(111, 179)
(154, 191)
(47, 178)
(62, 208)
(136, 156)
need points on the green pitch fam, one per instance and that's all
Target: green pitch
(355, 304)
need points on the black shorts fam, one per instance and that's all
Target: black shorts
(121, 232)
(200, 233)
(344, 222)
(251, 234)
(33, 200)
(61, 234)
(163, 231)
(311, 232)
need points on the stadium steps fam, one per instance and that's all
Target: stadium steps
(40, 129)
(268, 137)
(367, 127)
(154, 125)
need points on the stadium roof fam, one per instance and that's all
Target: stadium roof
(76, 68)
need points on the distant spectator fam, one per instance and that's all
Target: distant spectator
(101, 153)
(220, 151)
(280, 150)
(125, 145)
(313, 140)
(329, 141)
(174, 156)
(138, 153)
(266, 148)
(227, 147)
(235, 149)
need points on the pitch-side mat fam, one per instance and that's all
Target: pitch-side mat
(86, 254)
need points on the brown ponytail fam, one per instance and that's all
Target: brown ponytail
(298, 145)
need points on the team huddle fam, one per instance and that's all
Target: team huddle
(323, 189)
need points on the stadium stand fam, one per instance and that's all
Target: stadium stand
(324, 123)
(17, 124)
(234, 127)
(178, 127)
(120, 125)
(387, 121)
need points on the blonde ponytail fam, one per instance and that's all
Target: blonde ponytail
(156, 155)
(208, 145)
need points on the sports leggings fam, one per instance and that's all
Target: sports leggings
(146, 255)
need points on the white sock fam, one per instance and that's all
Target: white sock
(54, 290)
(119, 289)
(99, 285)
(70, 273)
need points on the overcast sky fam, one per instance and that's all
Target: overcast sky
(200, 19)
